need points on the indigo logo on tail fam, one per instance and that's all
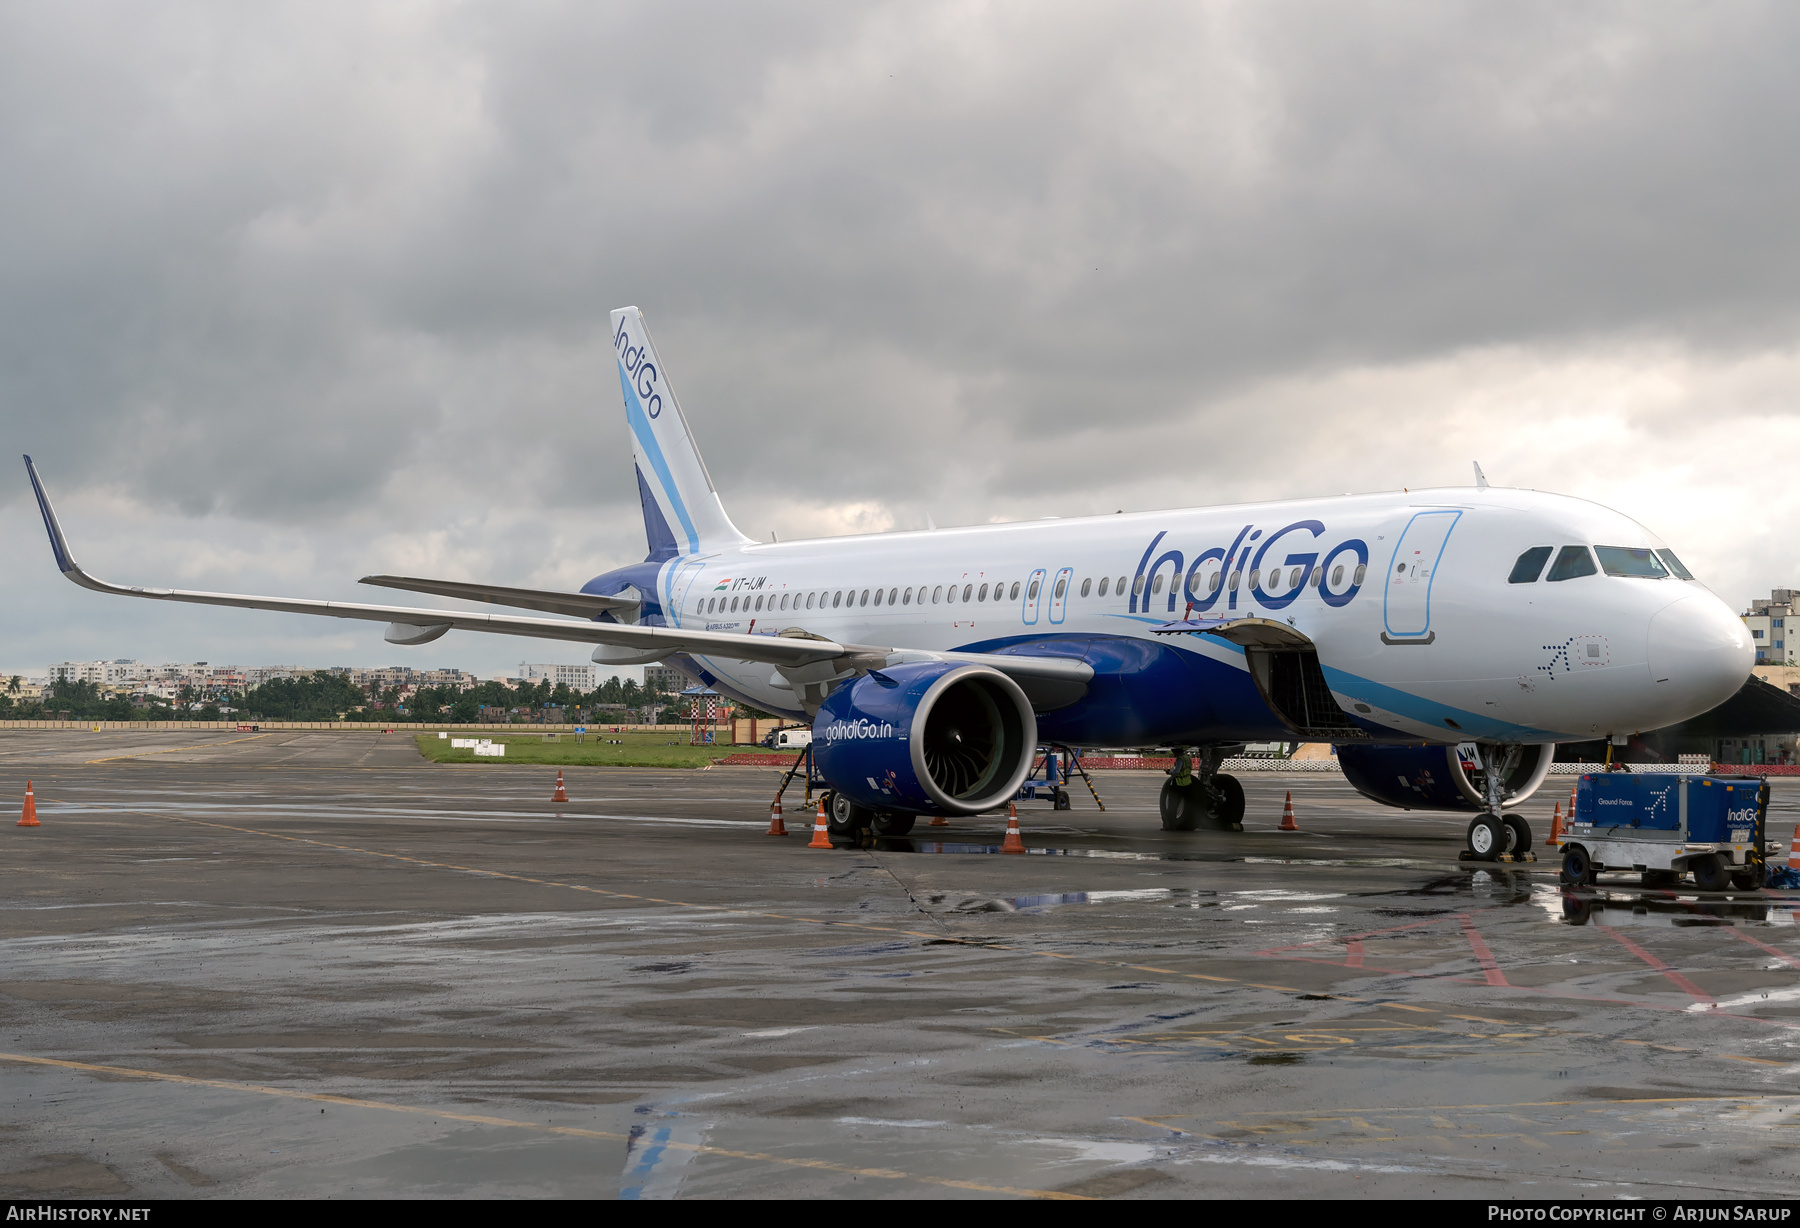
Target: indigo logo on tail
(642, 372)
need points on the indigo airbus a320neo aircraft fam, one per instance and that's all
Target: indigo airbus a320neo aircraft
(931, 665)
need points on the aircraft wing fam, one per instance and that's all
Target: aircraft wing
(582, 605)
(407, 625)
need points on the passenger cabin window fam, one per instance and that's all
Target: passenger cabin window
(1062, 586)
(1572, 562)
(837, 599)
(892, 593)
(982, 595)
(1032, 595)
(1120, 586)
(967, 589)
(950, 597)
(1530, 565)
(906, 597)
(937, 594)
(1637, 561)
(1014, 595)
(1105, 583)
(1674, 564)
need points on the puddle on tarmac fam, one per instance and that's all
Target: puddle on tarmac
(1147, 895)
(940, 846)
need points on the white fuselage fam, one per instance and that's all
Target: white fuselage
(1430, 639)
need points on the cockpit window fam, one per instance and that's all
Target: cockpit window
(1668, 556)
(1572, 561)
(1630, 561)
(1530, 565)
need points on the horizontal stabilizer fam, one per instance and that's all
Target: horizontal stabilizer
(582, 605)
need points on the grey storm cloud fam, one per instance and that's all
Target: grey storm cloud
(326, 287)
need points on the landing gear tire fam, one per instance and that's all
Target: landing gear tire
(1709, 873)
(1183, 807)
(1520, 832)
(1231, 810)
(1751, 878)
(892, 826)
(1487, 837)
(1577, 869)
(1194, 807)
(1060, 801)
(844, 817)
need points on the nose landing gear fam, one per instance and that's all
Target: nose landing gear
(1495, 834)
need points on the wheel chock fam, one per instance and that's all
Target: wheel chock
(29, 817)
(1287, 814)
(938, 820)
(1014, 842)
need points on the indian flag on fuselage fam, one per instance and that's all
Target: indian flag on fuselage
(682, 512)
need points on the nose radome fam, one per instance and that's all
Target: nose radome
(1699, 654)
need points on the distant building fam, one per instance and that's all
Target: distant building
(1768, 622)
(575, 677)
(666, 679)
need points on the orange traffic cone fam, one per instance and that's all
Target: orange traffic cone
(938, 820)
(1014, 842)
(1792, 848)
(562, 794)
(1555, 826)
(821, 834)
(776, 826)
(1287, 814)
(1571, 803)
(30, 819)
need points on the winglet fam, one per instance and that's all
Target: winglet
(65, 562)
(1480, 477)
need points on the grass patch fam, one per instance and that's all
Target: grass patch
(660, 750)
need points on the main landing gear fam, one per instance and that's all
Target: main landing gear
(845, 819)
(1199, 797)
(1494, 833)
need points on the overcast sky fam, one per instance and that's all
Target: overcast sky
(294, 293)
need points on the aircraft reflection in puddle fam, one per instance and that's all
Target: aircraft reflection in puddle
(1653, 907)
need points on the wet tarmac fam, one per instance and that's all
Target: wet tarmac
(313, 964)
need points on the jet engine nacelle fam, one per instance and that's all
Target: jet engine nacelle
(1434, 777)
(928, 738)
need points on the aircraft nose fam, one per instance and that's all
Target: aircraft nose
(1699, 655)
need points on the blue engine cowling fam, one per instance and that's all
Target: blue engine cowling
(929, 738)
(1436, 777)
